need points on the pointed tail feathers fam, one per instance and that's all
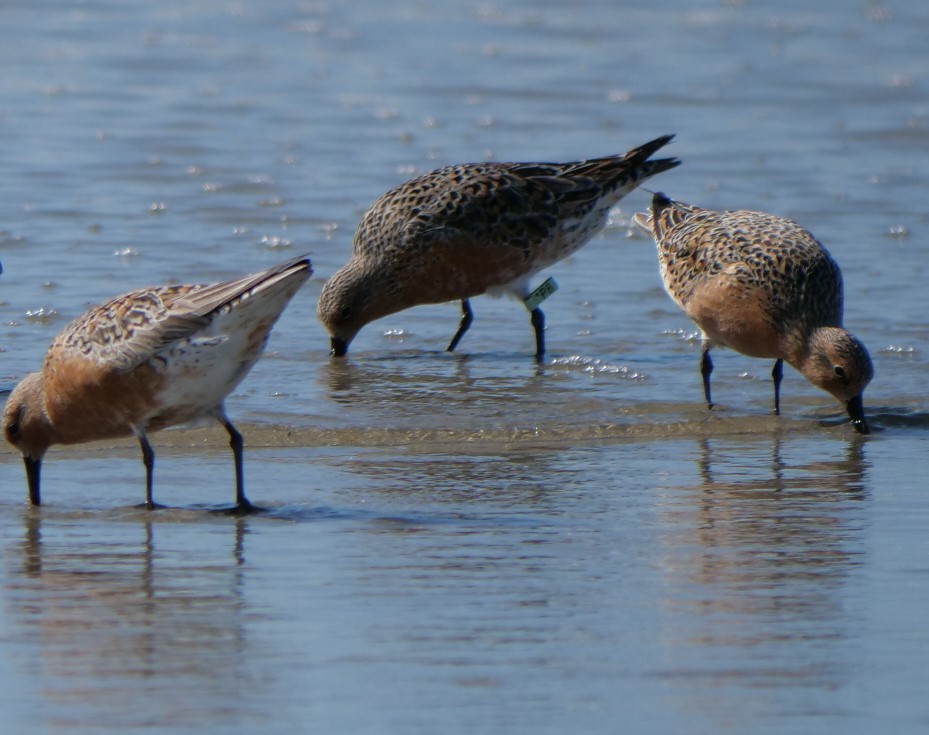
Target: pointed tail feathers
(216, 297)
(663, 214)
(638, 158)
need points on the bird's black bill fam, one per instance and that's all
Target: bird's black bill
(339, 347)
(33, 472)
(856, 411)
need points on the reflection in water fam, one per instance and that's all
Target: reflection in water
(501, 477)
(846, 474)
(772, 545)
(346, 378)
(418, 391)
(125, 625)
(763, 523)
(416, 375)
(483, 397)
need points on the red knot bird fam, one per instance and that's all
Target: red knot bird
(147, 360)
(763, 286)
(476, 228)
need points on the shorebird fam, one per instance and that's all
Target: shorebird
(147, 360)
(476, 228)
(763, 286)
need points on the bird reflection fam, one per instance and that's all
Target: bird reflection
(774, 532)
(758, 507)
(498, 477)
(123, 623)
(408, 373)
(402, 392)
(847, 474)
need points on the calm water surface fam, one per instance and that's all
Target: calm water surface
(469, 543)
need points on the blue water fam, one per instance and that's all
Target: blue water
(468, 543)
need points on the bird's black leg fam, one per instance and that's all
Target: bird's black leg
(148, 459)
(776, 375)
(242, 505)
(538, 323)
(466, 318)
(33, 473)
(706, 369)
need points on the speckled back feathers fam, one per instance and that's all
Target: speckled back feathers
(758, 251)
(518, 205)
(127, 330)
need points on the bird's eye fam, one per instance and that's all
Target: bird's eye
(839, 371)
(346, 312)
(12, 432)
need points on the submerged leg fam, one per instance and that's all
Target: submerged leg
(33, 471)
(706, 369)
(776, 375)
(242, 504)
(148, 459)
(538, 323)
(466, 318)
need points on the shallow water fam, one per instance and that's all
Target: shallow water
(468, 542)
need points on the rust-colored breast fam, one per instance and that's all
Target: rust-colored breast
(735, 317)
(86, 401)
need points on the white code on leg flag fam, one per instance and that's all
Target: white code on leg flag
(540, 294)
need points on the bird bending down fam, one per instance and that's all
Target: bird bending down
(763, 286)
(475, 228)
(147, 360)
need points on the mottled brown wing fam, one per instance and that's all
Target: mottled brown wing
(129, 329)
(125, 331)
(760, 251)
(494, 204)
(514, 204)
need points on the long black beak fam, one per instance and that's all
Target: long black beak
(856, 411)
(33, 470)
(339, 347)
